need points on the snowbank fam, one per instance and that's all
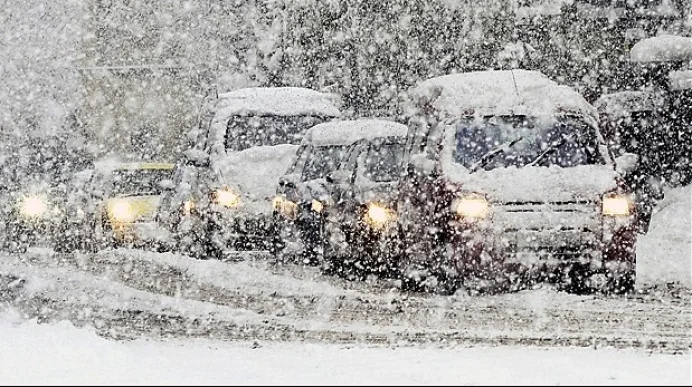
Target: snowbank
(62, 354)
(348, 132)
(662, 48)
(664, 253)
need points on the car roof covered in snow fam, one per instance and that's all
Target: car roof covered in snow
(499, 92)
(277, 101)
(663, 48)
(348, 132)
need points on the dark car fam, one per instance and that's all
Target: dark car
(340, 167)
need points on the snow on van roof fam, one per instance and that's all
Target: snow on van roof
(680, 80)
(663, 48)
(278, 101)
(348, 132)
(500, 92)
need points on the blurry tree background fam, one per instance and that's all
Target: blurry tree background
(128, 77)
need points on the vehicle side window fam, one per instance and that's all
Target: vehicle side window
(299, 160)
(417, 135)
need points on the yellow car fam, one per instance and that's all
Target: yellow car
(130, 200)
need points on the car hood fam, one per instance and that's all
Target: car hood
(254, 174)
(536, 184)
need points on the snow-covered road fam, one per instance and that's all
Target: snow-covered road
(133, 294)
(61, 354)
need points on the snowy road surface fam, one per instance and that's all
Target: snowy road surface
(61, 354)
(131, 294)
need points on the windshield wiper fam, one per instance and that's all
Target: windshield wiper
(551, 149)
(483, 161)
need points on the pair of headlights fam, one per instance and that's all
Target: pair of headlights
(477, 207)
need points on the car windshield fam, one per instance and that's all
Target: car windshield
(243, 132)
(565, 142)
(139, 181)
(322, 161)
(383, 162)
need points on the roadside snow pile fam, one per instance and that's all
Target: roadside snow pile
(665, 252)
(62, 354)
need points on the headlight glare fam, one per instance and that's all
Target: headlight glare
(122, 212)
(317, 206)
(33, 206)
(285, 207)
(471, 207)
(616, 205)
(378, 216)
(226, 198)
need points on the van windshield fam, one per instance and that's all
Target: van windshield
(322, 161)
(503, 141)
(243, 132)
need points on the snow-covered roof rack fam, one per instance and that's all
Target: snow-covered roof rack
(499, 92)
(348, 132)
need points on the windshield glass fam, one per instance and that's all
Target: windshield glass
(245, 132)
(322, 161)
(383, 163)
(569, 142)
(139, 181)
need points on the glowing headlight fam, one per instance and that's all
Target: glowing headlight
(317, 206)
(122, 212)
(188, 207)
(378, 216)
(33, 206)
(471, 207)
(286, 207)
(616, 206)
(226, 198)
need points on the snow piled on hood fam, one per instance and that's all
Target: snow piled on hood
(255, 172)
(348, 132)
(665, 252)
(503, 92)
(536, 184)
(662, 48)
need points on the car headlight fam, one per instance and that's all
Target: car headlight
(616, 205)
(471, 207)
(317, 206)
(122, 212)
(33, 206)
(189, 207)
(226, 198)
(285, 207)
(378, 216)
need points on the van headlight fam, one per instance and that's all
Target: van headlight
(617, 205)
(33, 206)
(472, 207)
(122, 212)
(378, 216)
(317, 206)
(285, 207)
(226, 198)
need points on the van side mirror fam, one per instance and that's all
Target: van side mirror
(626, 163)
(196, 158)
(421, 163)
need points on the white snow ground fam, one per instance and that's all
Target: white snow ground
(62, 354)
(664, 254)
